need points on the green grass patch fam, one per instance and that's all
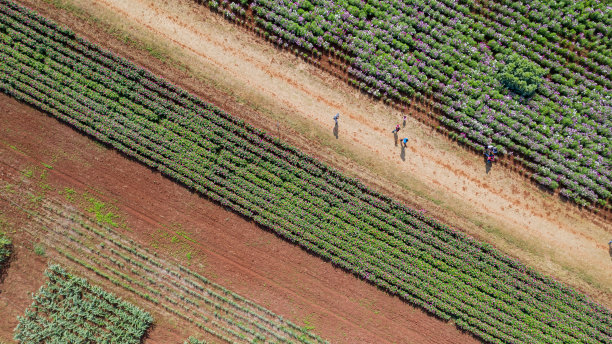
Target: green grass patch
(40, 250)
(99, 209)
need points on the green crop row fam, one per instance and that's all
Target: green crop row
(191, 298)
(397, 248)
(193, 340)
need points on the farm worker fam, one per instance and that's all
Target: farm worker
(336, 117)
(610, 243)
(489, 155)
(396, 130)
(404, 141)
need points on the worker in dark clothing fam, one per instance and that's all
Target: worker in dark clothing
(490, 156)
(396, 130)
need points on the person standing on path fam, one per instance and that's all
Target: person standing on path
(336, 125)
(405, 141)
(404, 123)
(396, 130)
(489, 155)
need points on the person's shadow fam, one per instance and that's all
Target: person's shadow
(403, 153)
(488, 165)
(395, 137)
(336, 130)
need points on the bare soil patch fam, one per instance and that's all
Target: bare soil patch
(22, 277)
(227, 249)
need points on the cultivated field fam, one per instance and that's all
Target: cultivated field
(552, 62)
(403, 251)
(68, 309)
(91, 244)
(182, 228)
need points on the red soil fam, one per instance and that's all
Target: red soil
(24, 274)
(230, 250)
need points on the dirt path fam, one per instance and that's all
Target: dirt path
(499, 207)
(227, 249)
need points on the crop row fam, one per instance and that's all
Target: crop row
(166, 286)
(193, 340)
(180, 296)
(70, 310)
(458, 52)
(302, 200)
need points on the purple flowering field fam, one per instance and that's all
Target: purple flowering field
(454, 54)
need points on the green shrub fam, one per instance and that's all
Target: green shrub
(5, 248)
(520, 75)
(39, 249)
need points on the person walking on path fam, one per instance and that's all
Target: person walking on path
(404, 123)
(404, 141)
(396, 130)
(336, 117)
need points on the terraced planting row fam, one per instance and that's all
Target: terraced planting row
(159, 284)
(532, 77)
(399, 249)
(70, 310)
(192, 340)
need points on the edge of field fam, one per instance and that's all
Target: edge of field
(142, 46)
